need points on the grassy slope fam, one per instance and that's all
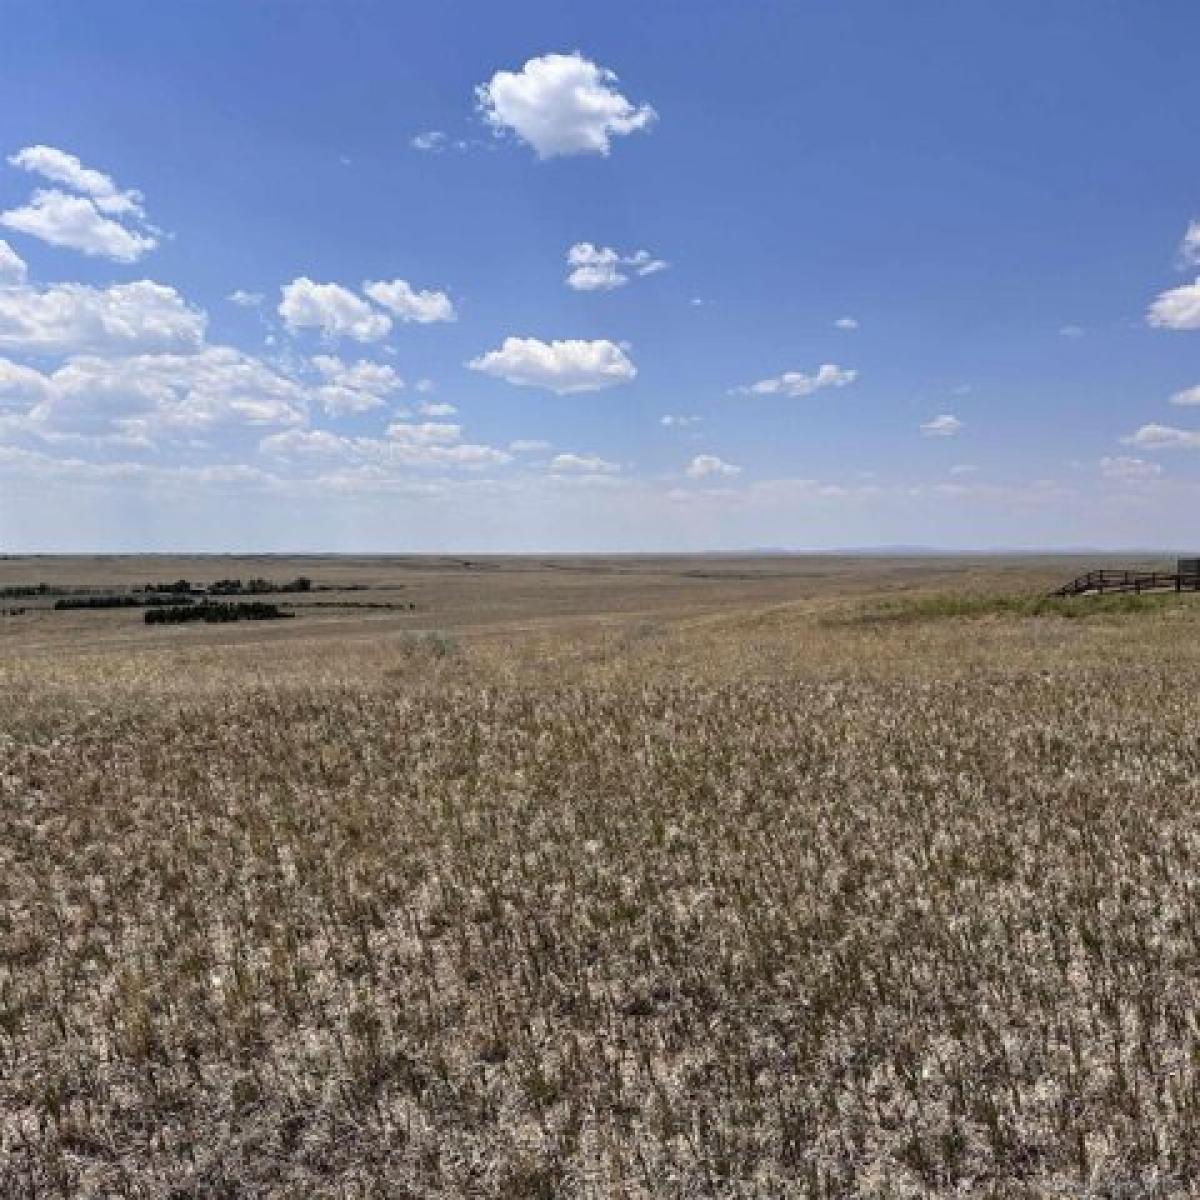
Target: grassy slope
(764, 904)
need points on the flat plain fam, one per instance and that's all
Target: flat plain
(631, 876)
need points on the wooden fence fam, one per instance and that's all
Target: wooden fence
(1099, 583)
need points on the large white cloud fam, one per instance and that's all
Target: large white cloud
(797, 383)
(1177, 308)
(77, 223)
(71, 318)
(601, 268)
(95, 216)
(563, 367)
(12, 266)
(561, 104)
(405, 302)
(60, 167)
(147, 397)
(334, 310)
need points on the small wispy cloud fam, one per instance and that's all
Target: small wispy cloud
(1129, 470)
(798, 383)
(435, 141)
(944, 426)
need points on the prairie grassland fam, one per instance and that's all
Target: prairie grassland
(878, 896)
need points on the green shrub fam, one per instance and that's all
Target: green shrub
(212, 614)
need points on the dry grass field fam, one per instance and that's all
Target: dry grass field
(639, 877)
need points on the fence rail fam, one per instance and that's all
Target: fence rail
(1103, 582)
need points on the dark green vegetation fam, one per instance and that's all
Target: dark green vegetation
(232, 587)
(178, 593)
(257, 587)
(120, 601)
(177, 586)
(215, 614)
(22, 591)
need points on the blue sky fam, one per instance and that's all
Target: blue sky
(682, 276)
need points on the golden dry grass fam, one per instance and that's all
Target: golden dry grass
(847, 887)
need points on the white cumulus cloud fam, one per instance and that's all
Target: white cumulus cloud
(563, 367)
(70, 318)
(332, 309)
(60, 167)
(12, 266)
(705, 466)
(849, 324)
(146, 397)
(21, 386)
(1187, 397)
(1177, 308)
(94, 216)
(427, 433)
(561, 104)
(601, 268)
(77, 223)
(409, 304)
(1163, 437)
(353, 387)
